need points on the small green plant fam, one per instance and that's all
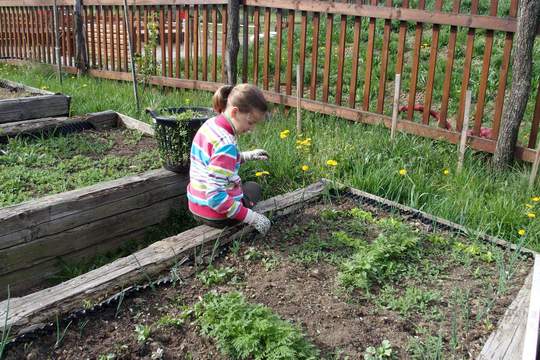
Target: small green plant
(172, 321)
(146, 63)
(247, 331)
(215, 276)
(361, 214)
(142, 332)
(252, 254)
(109, 356)
(60, 334)
(381, 352)
(426, 347)
(413, 300)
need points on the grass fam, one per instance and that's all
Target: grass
(31, 168)
(478, 198)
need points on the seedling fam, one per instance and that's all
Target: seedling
(381, 352)
(142, 332)
(213, 276)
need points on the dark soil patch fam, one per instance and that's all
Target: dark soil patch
(275, 272)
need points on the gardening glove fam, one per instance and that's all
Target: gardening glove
(257, 154)
(260, 222)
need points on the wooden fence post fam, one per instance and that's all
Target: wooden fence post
(395, 106)
(463, 139)
(233, 43)
(81, 52)
(57, 42)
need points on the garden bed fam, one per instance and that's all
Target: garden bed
(347, 275)
(90, 185)
(20, 102)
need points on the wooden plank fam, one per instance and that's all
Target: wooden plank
(369, 60)
(384, 62)
(290, 53)
(302, 55)
(466, 69)
(535, 121)
(178, 39)
(71, 36)
(28, 311)
(245, 43)
(110, 36)
(488, 46)
(162, 36)
(266, 45)
(530, 343)
(354, 68)
(415, 65)
(256, 25)
(277, 63)
(50, 35)
(196, 42)
(187, 41)
(507, 340)
(140, 19)
(205, 43)
(33, 107)
(327, 57)
(123, 26)
(341, 58)
(92, 36)
(428, 96)
(223, 44)
(3, 52)
(105, 46)
(17, 32)
(215, 43)
(10, 3)
(131, 123)
(170, 60)
(314, 57)
(448, 70)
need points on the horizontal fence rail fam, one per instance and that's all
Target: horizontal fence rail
(348, 55)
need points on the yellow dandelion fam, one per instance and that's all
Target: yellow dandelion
(187, 101)
(305, 168)
(284, 134)
(531, 215)
(446, 172)
(261, 173)
(402, 172)
(529, 206)
(521, 232)
(535, 198)
(331, 162)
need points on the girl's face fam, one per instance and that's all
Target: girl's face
(245, 122)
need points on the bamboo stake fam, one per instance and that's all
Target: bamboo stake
(130, 47)
(395, 107)
(299, 81)
(463, 142)
(57, 42)
(534, 171)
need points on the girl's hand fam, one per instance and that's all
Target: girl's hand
(260, 222)
(257, 154)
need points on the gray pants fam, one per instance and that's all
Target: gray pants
(252, 195)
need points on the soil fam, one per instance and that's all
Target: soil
(13, 93)
(122, 145)
(341, 324)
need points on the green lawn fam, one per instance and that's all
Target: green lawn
(366, 159)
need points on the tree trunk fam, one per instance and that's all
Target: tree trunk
(81, 53)
(516, 101)
(233, 44)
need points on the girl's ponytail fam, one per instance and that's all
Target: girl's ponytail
(219, 100)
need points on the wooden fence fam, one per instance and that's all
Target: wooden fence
(348, 55)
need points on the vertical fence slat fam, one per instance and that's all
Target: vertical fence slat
(205, 43)
(488, 46)
(328, 56)
(2, 33)
(277, 69)
(11, 24)
(369, 60)
(314, 56)
(341, 58)
(170, 39)
(154, 11)
(448, 71)
(535, 121)
(223, 43)
(384, 62)
(63, 35)
(187, 41)
(401, 41)
(214, 42)
(256, 19)
(92, 36)
(71, 36)
(41, 34)
(163, 49)
(245, 43)
(503, 75)
(98, 31)
(48, 27)
(466, 69)
(105, 39)
(178, 39)
(432, 64)
(14, 11)
(111, 39)
(302, 60)
(18, 32)
(30, 39)
(354, 67)
(139, 30)
(196, 42)
(416, 62)
(290, 52)
(266, 47)
(22, 20)
(124, 28)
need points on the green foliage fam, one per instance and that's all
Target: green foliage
(213, 276)
(142, 332)
(474, 250)
(361, 214)
(381, 352)
(426, 348)
(413, 300)
(247, 331)
(146, 63)
(171, 321)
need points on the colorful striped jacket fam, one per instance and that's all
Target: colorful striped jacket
(215, 189)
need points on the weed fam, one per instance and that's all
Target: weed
(414, 300)
(60, 334)
(252, 254)
(142, 332)
(426, 348)
(214, 276)
(109, 356)
(242, 330)
(168, 320)
(4, 340)
(82, 325)
(381, 352)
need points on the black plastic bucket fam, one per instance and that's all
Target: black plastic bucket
(174, 137)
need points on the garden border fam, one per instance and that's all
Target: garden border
(111, 282)
(46, 104)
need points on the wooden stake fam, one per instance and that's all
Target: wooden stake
(463, 140)
(299, 81)
(531, 331)
(395, 107)
(57, 42)
(534, 170)
(130, 47)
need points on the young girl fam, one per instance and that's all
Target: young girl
(216, 195)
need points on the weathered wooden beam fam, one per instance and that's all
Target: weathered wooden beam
(233, 43)
(530, 341)
(81, 52)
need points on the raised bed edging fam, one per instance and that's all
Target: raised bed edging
(111, 282)
(46, 104)
(83, 222)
